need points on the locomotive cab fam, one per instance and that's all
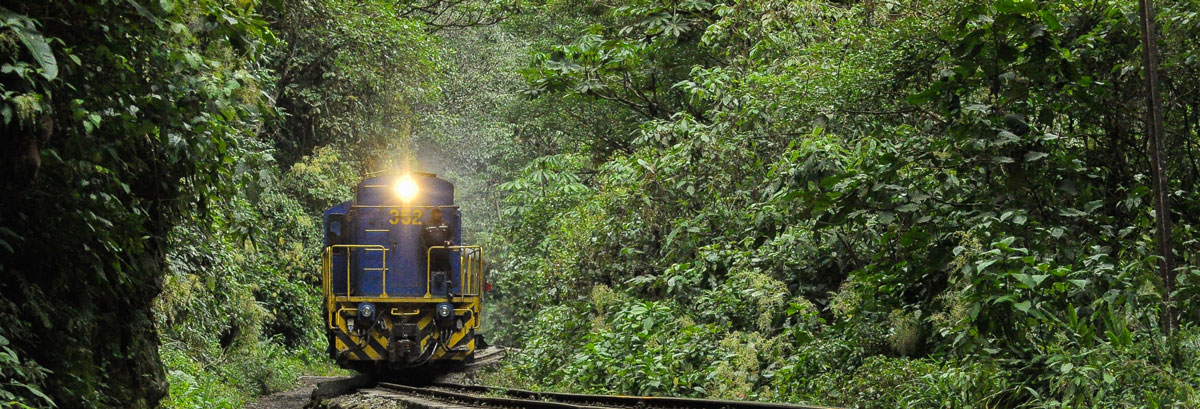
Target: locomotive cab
(400, 288)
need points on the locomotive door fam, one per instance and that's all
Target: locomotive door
(337, 232)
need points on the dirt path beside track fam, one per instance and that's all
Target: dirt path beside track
(297, 397)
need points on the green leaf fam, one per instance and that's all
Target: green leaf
(34, 42)
(1025, 279)
(1051, 20)
(1034, 156)
(1072, 212)
(984, 264)
(886, 217)
(1031, 281)
(923, 97)
(1022, 306)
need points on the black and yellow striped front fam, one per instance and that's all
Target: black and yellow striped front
(412, 327)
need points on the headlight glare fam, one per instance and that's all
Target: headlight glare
(406, 188)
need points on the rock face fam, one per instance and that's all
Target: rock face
(89, 188)
(111, 132)
(93, 330)
(80, 264)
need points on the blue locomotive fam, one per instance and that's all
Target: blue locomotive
(400, 288)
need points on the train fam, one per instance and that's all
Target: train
(400, 289)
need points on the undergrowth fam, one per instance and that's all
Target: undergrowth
(233, 379)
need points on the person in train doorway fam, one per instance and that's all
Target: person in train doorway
(438, 234)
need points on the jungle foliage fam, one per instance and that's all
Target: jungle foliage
(858, 203)
(167, 164)
(869, 204)
(119, 120)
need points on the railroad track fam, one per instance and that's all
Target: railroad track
(487, 356)
(455, 396)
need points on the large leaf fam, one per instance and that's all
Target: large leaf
(23, 27)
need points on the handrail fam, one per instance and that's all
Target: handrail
(470, 269)
(327, 272)
(470, 272)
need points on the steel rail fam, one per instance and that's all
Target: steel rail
(479, 400)
(486, 356)
(623, 401)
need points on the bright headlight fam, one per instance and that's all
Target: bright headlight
(406, 188)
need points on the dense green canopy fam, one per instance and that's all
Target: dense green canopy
(858, 203)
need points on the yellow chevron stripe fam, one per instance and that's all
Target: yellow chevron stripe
(470, 349)
(370, 350)
(377, 349)
(372, 353)
(338, 344)
(458, 336)
(341, 345)
(455, 338)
